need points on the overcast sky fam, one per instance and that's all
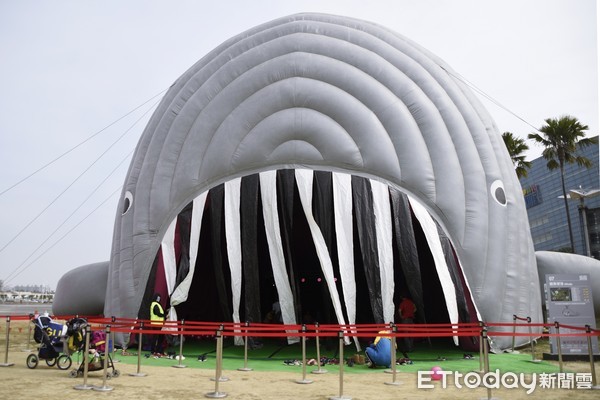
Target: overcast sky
(70, 69)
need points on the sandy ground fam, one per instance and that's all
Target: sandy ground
(19, 382)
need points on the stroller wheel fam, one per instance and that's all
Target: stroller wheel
(51, 362)
(32, 361)
(116, 373)
(73, 373)
(63, 362)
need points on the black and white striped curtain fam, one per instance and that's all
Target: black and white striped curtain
(361, 231)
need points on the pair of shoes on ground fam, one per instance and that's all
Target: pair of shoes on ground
(292, 362)
(202, 357)
(404, 361)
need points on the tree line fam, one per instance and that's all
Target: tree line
(561, 138)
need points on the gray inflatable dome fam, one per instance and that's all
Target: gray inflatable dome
(329, 93)
(81, 291)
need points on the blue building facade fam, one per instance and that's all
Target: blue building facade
(546, 209)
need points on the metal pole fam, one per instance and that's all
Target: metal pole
(514, 331)
(586, 235)
(245, 367)
(216, 394)
(304, 380)
(341, 352)
(393, 382)
(86, 356)
(112, 340)
(591, 353)
(392, 350)
(28, 349)
(105, 388)
(6, 363)
(319, 370)
(533, 359)
(559, 347)
(219, 361)
(179, 365)
(139, 360)
(484, 338)
(481, 358)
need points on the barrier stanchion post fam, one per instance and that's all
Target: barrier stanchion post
(319, 370)
(304, 380)
(486, 359)
(392, 352)
(217, 394)
(514, 333)
(86, 362)
(394, 371)
(588, 330)
(481, 361)
(341, 364)
(139, 360)
(558, 346)
(533, 359)
(179, 364)
(112, 341)
(6, 363)
(219, 361)
(104, 387)
(28, 348)
(245, 367)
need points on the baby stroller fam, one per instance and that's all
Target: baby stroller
(98, 355)
(76, 328)
(50, 336)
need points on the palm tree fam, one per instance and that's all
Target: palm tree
(561, 138)
(516, 147)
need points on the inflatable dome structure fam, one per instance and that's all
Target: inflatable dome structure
(331, 165)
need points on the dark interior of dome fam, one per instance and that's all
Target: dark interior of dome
(210, 294)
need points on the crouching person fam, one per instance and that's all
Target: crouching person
(379, 353)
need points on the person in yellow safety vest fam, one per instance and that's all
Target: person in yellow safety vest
(157, 317)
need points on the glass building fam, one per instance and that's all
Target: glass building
(546, 209)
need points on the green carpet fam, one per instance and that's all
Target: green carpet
(272, 355)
